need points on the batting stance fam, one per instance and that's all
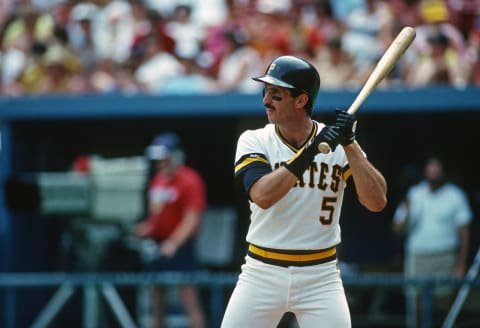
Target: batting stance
(295, 196)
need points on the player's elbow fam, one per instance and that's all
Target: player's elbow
(376, 205)
(264, 204)
(264, 200)
(378, 208)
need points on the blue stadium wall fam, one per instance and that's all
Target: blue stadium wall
(397, 129)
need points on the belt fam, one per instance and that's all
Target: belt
(286, 258)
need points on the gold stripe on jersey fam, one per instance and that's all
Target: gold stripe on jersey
(249, 159)
(292, 256)
(347, 173)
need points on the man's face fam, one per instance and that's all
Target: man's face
(434, 172)
(163, 165)
(279, 104)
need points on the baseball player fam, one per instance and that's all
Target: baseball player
(295, 196)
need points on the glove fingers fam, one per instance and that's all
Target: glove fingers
(344, 115)
(346, 124)
(330, 135)
(330, 132)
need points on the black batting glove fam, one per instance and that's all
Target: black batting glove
(298, 164)
(346, 124)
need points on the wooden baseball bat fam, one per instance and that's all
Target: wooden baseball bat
(383, 67)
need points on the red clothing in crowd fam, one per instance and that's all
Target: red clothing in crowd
(183, 191)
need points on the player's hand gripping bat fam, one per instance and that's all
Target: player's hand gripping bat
(383, 67)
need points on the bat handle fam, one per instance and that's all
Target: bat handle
(323, 147)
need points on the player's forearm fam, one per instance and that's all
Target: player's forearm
(272, 187)
(370, 184)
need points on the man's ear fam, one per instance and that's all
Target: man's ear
(302, 100)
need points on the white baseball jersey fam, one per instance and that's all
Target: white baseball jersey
(307, 217)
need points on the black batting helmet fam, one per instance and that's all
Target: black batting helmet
(293, 73)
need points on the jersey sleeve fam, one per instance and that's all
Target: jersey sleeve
(251, 162)
(463, 213)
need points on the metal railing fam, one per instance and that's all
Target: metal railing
(106, 284)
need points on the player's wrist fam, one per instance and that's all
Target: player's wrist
(299, 164)
(347, 140)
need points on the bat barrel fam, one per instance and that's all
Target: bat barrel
(396, 49)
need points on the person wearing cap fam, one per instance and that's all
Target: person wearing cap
(176, 201)
(295, 195)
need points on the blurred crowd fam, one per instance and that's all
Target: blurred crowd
(215, 46)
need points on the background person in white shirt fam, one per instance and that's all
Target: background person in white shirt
(435, 218)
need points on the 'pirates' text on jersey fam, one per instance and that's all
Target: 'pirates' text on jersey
(310, 210)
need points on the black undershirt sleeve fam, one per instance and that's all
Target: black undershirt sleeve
(249, 168)
(252, 174)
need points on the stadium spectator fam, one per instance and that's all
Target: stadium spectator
(405, 12)
(435, 17)
(29, 76)
(176, 201)
(321, 26)
(6, 9)
(463, 14)
(272, 33)
(122, 30)
(473, 52)
(443, 64)
(25, 38)
(29, 27)
(60, 67)
(188, 35)
(335, 66)
(114, 30)
(239, 63)
(210, 12)
(193, 80)
(152, 27)
(61, 11)
(109, 77)
(213, 46)
(435, 218)
(80, 31)
(341, 9)
(367, 29)
(157, 66)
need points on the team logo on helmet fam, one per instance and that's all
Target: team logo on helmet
(271, 68)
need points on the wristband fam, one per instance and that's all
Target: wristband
(298, 164)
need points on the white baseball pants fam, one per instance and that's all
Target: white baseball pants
(264, 292)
